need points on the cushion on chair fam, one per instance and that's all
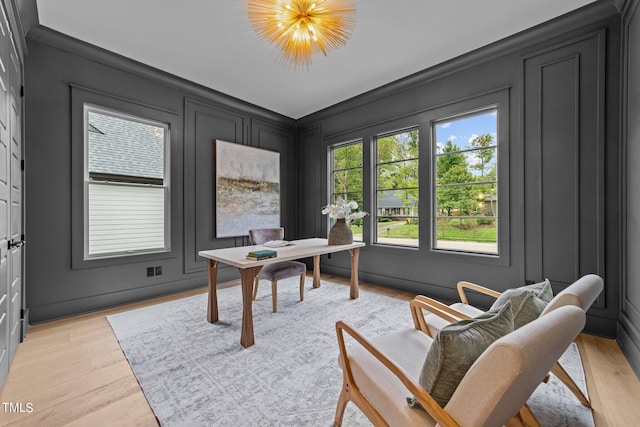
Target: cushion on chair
(527, 302)
(282, 270)
(384, 390)
(435, 322)
(457, 346)
(506, 374)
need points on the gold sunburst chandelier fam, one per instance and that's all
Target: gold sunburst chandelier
(301, 28)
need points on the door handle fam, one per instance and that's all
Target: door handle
(16, 243)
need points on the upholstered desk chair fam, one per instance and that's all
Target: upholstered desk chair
(380, 374)
(582, 293)
(278, 271)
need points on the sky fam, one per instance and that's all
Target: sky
(461, 130)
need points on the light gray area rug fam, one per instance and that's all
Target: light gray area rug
(194, 373)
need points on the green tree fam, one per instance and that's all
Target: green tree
(450, 157)
(347, 172)
(451, 175)
(487, 168)
(484, 154)
(397, 158)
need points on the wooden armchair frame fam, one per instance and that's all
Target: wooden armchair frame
(350, 391)
(452, 315)
(474, 287)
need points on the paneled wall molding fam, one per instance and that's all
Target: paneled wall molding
(199, 116)
(587, 15)
(564, 149)
(381, 123)
(579, 55)
(79, 97)
(632, 315)
(91, 303)
(122, 99)
(282, 139)
(91, 52)
(628, 8)
(628, 337)
(628, 331)
(204, 123)
(310, 168)
(601, 34)
(259, 125)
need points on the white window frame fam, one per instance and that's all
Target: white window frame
(166, 184)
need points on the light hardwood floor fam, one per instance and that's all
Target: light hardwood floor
(72, 372)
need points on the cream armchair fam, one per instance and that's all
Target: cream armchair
(379, 374)
(582, 293)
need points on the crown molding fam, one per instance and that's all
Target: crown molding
(594, 12)
(65, 43)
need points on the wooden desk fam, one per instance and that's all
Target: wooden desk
(249, 269)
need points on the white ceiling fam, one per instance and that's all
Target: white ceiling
(211, 42)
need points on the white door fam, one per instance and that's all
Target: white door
(15, 227)
(5, 201)
(11, 207)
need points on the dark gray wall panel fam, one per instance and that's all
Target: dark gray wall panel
(309, 178)
(564, 174)
(418, 270)
(205, 124)
(590, 140)
(276, 138)
(629, 324)
(57, 63)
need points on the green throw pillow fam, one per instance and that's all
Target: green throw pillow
(543, 290)
(527, 302)
(457, 346)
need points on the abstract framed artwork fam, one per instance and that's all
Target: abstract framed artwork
(247, 189)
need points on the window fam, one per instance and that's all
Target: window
(397, 188)
(346, 172)
(466, 189)
(126, 189)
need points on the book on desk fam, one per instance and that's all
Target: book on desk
(276, 243)
(258, 255)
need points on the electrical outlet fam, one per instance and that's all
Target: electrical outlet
(158, 270)
(149, 271)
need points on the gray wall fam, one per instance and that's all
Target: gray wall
(584, 45)
(57, 67)
(629, 325)
(560, 196)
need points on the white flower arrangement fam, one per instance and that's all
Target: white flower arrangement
(343, 209)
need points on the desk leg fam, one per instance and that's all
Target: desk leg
(355, 258)
(247, 276)
(316, 271)
(212, 307)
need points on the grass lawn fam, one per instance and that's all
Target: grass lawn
(355, 229)
(486, 234)
(398, 229)
(466, 230)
